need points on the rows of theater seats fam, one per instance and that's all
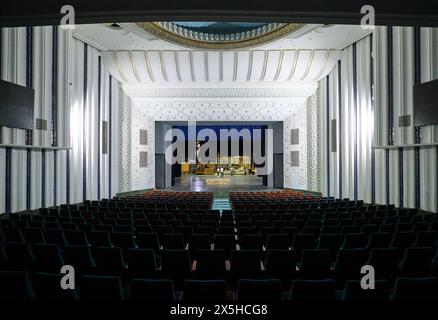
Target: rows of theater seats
(311, 248)
(266, 197)
(155, 195)
(169, 201)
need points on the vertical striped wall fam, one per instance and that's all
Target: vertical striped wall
(72, 93)
(12, 162)
(429, 155)
(375, 80)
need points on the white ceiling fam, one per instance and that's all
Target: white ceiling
(271, 79)
(132, 37)
(209, 103)
(134, 56)
(187, 66)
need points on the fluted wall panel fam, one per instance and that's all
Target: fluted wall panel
(377, 88)
(73, 96)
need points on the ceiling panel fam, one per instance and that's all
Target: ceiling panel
(156, 65)
(287, 64)
(258, 65)
(214, 71)
(184, 60)
(305, 58)
(139, 60)
(272, 65)
(199, 68)
(242, 64)
(171, 66)
(228, 66)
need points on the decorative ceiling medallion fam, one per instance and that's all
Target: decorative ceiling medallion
(218, 35)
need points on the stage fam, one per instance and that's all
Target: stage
(216, 184)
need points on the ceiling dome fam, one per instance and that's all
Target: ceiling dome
(218, 35)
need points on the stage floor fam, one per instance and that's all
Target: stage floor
(219, 185)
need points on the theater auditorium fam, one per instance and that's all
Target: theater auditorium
(214, 159)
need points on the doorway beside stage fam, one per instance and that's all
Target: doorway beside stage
(219, 157)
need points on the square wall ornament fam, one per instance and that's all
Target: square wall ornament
(41, 124)
(104, 137)
(295, 136)
(295, 158)
(404, 121)
(143, 159)
(334, 135)
(143, 137)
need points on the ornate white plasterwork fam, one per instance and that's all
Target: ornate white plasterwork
(220, 104)
(131, 120)
(218, 111)
(305, 89)
(302, 90)
(201, 37)
(125, 142)
(313, 151)
(142, 178)
(141, 107)
(306, 119)
(296, 177)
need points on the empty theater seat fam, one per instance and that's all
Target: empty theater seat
(420, 289)
(175, 265)
(109, 261)
(152, 290)
(141, 263)
(268, 248)
(204, 290)
(245, 263)
(354, 292)
(16, 285)
(266, 290)
(313, 290)
(103, 288)
(48, 258)
(47, 288)
(210, 264)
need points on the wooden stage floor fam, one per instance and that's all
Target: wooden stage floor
(219, 185)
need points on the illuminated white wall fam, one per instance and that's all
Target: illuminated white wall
(356, 170)
(295, 177)
(132, 119)
(142, 106)
(53, 62)
(305, 176)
